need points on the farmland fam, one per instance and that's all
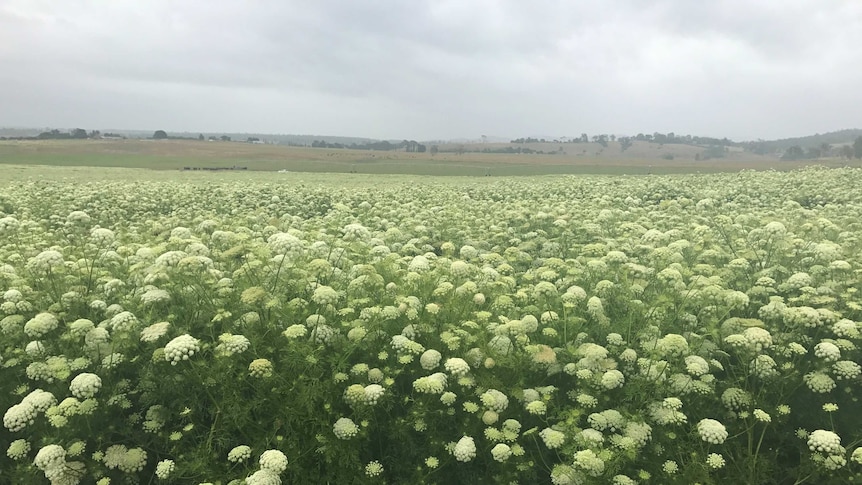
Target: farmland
(266, 328)
(642, 158)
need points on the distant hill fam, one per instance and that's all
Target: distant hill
(840, 137)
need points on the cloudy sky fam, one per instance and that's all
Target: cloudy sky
(425, 69)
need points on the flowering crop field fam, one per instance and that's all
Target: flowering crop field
(259, 329)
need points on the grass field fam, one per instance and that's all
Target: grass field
(177, 154)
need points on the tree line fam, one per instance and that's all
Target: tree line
(406, 145)
(796, 152)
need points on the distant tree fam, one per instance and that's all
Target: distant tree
(794, 153)
(584, 138)
(714, 151)
(625, 143)
(814, 153)
(857, 147)
(613, 137)
(758, 147)
(434, 150)
(847, 152)
(825, 149)
(160, 135)
(201, 137)
(420, 148)
(95, 134)
(225, 138)
(78, 134)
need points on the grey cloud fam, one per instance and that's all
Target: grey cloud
(434, 68)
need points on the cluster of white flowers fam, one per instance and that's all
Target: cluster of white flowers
(18, 449)
(667, 412)
(154, 296)
(465, 449)
(274, 461)
(715, 461)
(827, 351)
(372, 393)
(239, 454)
(494, 400)
(486, 274)
(501, 452)
(230, 344)
(295, 331)
(40, 325)
(589, 462)
(404, 345)
(263, 477)
(823, 441)
(433, 384)
(324, 295)
(126, 460)
(819, 382)
(456, 366)
(711, 431)
(552, 438)
(373, 468)
(154, 331)
(260, 368)
(19, 416)
(164, 469)
(345, 428)
(123, 322)
(430, 359)
(613, 379)
(85, 385)
(284, 243)
(181, 348)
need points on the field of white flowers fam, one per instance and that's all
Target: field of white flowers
(245, 329)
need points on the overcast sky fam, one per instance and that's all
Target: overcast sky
(424, 70)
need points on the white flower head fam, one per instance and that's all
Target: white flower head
(552, 438)
(181, 348)
(465, 449)
(85, 385)
(239, 454)
(50, 456)
(273, 460)
(501, 452)
(712, 431)
(457, 366)
(40, 325)
(345, 428)
(430, 359)
(823, 441)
